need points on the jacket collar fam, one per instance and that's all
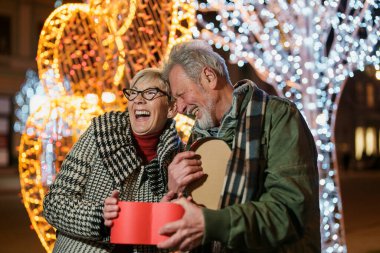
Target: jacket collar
(117, 148)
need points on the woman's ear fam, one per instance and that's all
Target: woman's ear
(172, 111)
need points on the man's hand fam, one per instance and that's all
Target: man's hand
(111, 209)
(186, 233)
(169, 196)
(183, 170)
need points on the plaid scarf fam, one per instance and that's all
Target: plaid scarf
(117, 150)
(244, 177)
(242, 125)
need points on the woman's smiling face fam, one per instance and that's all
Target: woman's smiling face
(149, 116)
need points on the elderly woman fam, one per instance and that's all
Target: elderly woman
(122, 155)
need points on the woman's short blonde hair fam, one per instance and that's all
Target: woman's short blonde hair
(151, 75)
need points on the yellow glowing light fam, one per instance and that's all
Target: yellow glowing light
(370, 140)
(117, 16)
(32, 187)
(377, 74)
(108, 97)
(359, 143)
(91, 98)
(79, 57)
(183, 13)
(52, 31)
(96, 48)
(184, 125)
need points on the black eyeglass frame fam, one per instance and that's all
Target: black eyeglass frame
(127, 91)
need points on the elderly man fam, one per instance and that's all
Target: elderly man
(270, 198)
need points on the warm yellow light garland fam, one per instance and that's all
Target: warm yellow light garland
(86, 54)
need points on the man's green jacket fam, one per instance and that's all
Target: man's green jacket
(286, 216)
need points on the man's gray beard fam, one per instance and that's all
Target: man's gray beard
(206, 121)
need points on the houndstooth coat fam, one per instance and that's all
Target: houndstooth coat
(104, 159)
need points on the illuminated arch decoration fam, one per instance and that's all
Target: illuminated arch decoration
(50, 132)
(86, 54)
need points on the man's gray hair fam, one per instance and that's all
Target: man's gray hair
(193, 56)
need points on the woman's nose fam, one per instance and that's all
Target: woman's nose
(139, 99)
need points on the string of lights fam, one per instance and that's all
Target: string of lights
(306, 49)
(30, 89)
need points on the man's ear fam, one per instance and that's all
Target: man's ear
(210, 77)
(172, 112)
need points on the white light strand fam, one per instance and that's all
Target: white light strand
(31, 92)
(307, 49)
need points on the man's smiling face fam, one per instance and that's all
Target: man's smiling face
(192, 98)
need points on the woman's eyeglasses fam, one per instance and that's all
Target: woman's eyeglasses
(148, 94)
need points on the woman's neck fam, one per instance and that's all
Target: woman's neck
(147, 145)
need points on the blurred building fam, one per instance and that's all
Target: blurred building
(20, 24)
(357, 123)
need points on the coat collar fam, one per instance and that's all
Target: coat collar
(117, 148)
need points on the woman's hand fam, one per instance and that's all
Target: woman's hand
(183, 170)
(169, 196)
(111, 209)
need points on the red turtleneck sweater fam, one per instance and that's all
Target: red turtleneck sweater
(147, 146)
